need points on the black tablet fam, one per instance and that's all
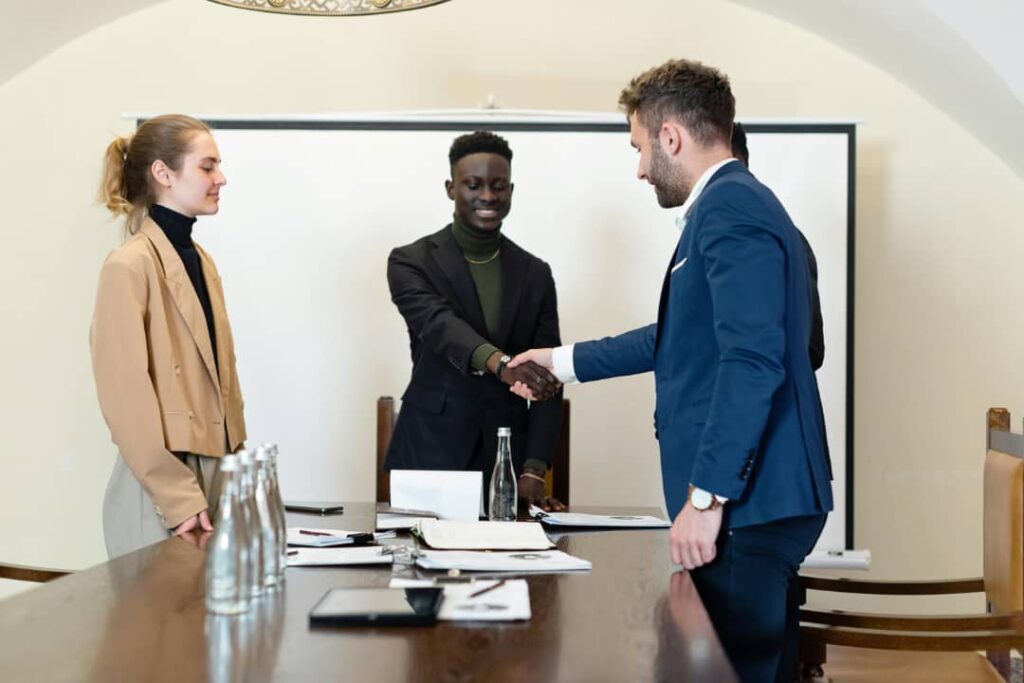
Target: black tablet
(377, 607)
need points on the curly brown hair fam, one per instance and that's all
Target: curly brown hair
(698, 95)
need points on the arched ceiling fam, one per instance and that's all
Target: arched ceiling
(966, 58)
(32, 29)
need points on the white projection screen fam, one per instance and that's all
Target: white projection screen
(314, 205)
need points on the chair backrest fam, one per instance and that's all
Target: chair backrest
(1003, 525)
(385, 425)
(557, 480)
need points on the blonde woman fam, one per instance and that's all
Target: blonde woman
(162, 351)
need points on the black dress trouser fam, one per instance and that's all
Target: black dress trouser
(751, 594)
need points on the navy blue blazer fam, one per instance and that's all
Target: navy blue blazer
(738, 411)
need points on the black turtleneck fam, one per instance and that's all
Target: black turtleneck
(178, 229)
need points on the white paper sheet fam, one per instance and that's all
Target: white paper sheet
(451, 494)
(454, 535)
(519, 562)
(509, 602)
(338, 557)
(838, 559)
(581, 519)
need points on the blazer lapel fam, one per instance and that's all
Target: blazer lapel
(215, 289)
(453, 264)
(184, 294)
(663, 301)
(513, 274)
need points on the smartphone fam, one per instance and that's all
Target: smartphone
(315, 507)
(377, 607)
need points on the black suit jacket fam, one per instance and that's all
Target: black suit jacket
(816, 347)
(447, 408)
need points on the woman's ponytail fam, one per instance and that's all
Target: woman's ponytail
(113, 188)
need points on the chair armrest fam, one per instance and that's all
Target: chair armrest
(16, 572)
(820, 583)
(911, 640)
(915, 622)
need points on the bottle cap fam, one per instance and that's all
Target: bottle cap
(245, 457)
(262, 454)
(504, 431)
(229, 463)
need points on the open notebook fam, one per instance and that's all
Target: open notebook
(581, 519)
(445, 534)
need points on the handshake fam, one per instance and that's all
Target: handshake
(529, 375)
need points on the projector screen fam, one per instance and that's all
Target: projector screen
(313, 207)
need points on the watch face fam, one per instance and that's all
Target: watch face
(700, 500)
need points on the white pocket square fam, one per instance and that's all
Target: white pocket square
(679, 265)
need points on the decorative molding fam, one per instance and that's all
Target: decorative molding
(330, 8)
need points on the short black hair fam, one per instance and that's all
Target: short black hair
(479, 141)
(739, 143)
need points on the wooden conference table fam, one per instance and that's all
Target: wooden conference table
(141, 617)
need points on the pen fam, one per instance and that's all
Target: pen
(488, 589)
(292, 552)
(314, 533)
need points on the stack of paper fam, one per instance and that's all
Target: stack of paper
(602, 521)
(509, 601)
(453, 535)
(547, 561)
(338, 557)
(311, 537)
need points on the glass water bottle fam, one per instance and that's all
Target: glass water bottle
(228, 555)
(504, 491)
(277, 507)
(269, 546)
(252, 521)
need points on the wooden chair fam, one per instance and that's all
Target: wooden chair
(17, 572)
(847, 644)
(557, 479)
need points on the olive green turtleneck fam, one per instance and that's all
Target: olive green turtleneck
(482, 251)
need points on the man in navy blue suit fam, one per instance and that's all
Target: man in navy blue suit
(738, 418)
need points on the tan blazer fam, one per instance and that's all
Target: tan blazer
(152, 358)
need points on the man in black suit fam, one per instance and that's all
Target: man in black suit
(816, 345)
(471, 298)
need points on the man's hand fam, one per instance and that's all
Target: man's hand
(692, 537)
(538, 381)
(202, 521)
(531, 492)
(538, 357)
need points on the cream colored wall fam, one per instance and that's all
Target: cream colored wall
(937, 234)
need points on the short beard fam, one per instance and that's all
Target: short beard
(671, 186)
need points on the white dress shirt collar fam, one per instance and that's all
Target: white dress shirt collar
(698, 188)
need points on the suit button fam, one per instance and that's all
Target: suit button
(177, 369)
(191, 416)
